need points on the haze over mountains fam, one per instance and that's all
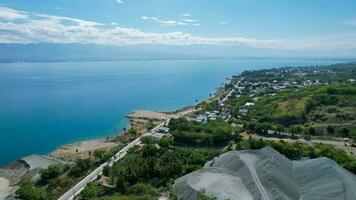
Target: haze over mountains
(52, 52)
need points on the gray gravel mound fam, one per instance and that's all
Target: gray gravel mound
(266, 174)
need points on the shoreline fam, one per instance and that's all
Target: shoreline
(105, 142)
(69, 152)
(13, 172)
(140, 114)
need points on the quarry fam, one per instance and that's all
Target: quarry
(268, 175)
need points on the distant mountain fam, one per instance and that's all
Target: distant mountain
(45, 52)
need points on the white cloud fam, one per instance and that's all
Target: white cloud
(12, 14)
(38, 28)
(26, 27)
(190, 20)
(120, 1)
(163, 22)
(223, 23)
(186, 15)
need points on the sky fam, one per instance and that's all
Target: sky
(265, 24)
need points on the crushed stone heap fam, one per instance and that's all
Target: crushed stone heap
(266, 174)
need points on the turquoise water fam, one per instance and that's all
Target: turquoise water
(45, 105)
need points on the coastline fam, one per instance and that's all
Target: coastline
(134, 117)
(82, 149)
(10, 175)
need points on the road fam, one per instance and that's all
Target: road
(227, 96)
(74, 191)
(337, 144)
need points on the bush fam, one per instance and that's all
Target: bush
(215, 133)
(92, 191)
(80, 168)
(148, 140)
(51, 172)
(141, 189)
(28, 191)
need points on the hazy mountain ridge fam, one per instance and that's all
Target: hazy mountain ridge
(51, 52)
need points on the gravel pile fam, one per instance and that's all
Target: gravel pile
(266, 174)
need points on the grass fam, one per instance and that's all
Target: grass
(293, 105)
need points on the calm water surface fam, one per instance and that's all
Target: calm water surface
(45, 105)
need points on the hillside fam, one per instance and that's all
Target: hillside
(315, 101)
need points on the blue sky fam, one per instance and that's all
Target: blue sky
(277, 24)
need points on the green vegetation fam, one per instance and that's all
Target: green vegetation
(55, 180)
(305, 111)
(202, 196)
(51, 172)
(297, 151)
(92, 191)
(148, 170)
(144, 172)
(28, 191)
(306, 100)
(338, 73)
(215, 133)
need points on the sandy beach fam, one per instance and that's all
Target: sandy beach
(149, 115)
(158, 116)
(81, 150)
(5, 188)
(74, 151)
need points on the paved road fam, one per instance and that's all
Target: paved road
(74, 191)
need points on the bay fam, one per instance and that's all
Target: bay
(45, 105)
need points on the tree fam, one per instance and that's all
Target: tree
(133, 131)
(51, 172)
(103, 155)
(150, 125)
(81, 167)
(148, 140)
(279, 128)
(345, 132)
(92, 191)
(312, 131)
(169, 165)
(330, 130)
(28, 191)
(121, 184)
(141, 189)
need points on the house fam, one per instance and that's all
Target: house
(163, 130)
(249, 104)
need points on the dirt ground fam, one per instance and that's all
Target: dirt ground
(80, 150)
(5, 188)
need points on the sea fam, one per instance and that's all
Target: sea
(46, 105)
